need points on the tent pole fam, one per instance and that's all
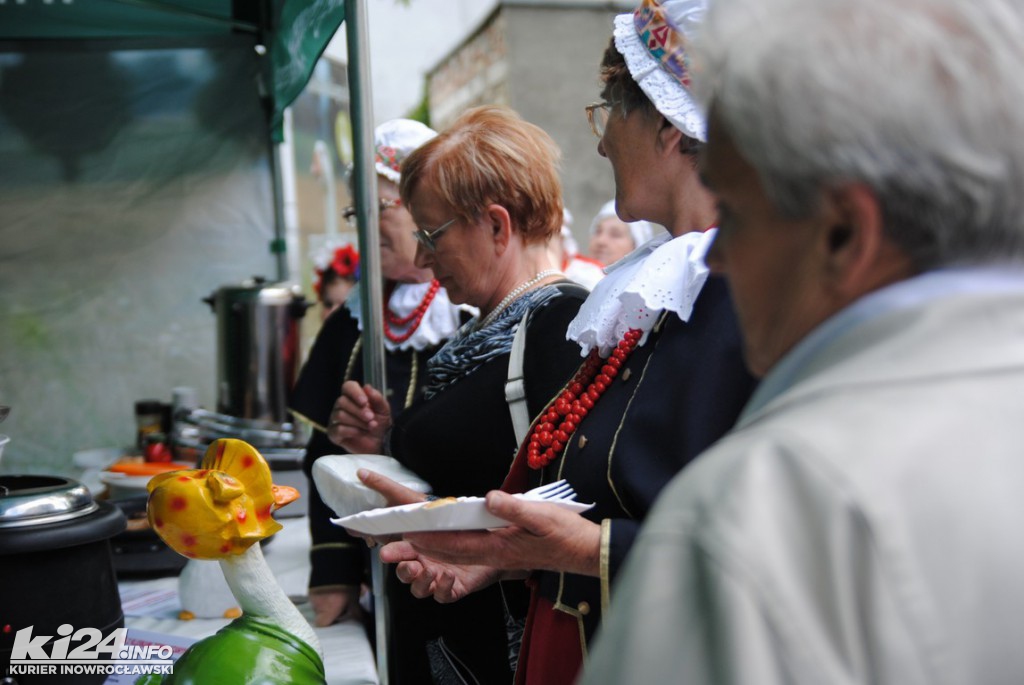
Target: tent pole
(367, 216)
(278, 245)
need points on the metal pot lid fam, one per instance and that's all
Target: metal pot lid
(37, 500)
(259, 289)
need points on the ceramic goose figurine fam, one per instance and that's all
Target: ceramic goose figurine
(204, 593)
(220, 511)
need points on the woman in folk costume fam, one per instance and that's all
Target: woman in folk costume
(487, 199)
(611, 238)
(565, 251)
(663, 378)
(337, 272)
(418, 319)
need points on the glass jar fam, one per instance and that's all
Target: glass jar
(149, 416)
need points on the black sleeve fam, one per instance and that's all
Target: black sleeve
(698, 388)
(550, 360)
(336, 558)
(319, 382)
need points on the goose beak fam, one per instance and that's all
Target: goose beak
(284, 494)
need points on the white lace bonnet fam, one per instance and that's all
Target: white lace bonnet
(653, 40)
(569, 244)
(393, 141)
(641, 231)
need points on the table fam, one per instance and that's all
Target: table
(348, 658)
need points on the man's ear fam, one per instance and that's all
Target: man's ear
(858, 256)
(500, 224)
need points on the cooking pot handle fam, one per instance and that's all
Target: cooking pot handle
(211, 300)
(299, 306)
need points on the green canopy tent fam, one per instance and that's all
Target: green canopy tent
(282, 41)
(294, 32)
(288, 36)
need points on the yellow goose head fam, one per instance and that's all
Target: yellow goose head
(221, 508)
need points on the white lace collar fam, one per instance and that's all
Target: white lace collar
(439, 323)
(664, 273)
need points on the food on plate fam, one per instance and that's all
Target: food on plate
(440, 502)
(136, 466)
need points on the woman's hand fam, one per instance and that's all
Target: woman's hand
(427, 577)
(359, 419)
(394, 494)
(543, 536)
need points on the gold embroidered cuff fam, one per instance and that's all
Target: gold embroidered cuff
(305, 419)
(606, 576)
(332, 545)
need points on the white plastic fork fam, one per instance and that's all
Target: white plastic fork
(559, 490)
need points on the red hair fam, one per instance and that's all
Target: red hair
(491, 155)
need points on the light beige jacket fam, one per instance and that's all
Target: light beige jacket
(865, 525)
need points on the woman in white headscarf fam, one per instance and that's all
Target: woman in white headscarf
(486, 197)
(418, 319)
(576, 267)
(611, 238)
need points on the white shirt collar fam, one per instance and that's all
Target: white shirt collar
(439, 323)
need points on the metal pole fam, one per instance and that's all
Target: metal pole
(290, 208)
(278, 246)
(365, 193)
(364, 184)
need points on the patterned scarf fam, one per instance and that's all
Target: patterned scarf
(470, 347)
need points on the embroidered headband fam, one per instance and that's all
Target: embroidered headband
(393, 141)
(388, 156)
(654, 40)
(664, 40)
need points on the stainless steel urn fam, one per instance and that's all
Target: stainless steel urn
(258, 347)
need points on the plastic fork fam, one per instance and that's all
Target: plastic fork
(559, 490)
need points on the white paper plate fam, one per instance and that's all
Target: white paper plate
(121, 485)
(340, 487)
(463, 513)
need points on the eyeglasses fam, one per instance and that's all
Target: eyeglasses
(428, 239)
(383, 203)
(597, 117)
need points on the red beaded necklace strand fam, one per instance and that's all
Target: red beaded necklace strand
(545, 441)
(412, 320)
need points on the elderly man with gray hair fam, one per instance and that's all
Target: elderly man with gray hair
(862, 522)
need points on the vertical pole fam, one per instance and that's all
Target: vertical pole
(364, 178)
(367, 217)
(290, 209)
(278, 246)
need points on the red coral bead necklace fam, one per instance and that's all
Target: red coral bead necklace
(551, 433)
(412, 320)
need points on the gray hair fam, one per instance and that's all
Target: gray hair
(920, 100)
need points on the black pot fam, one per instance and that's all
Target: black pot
(138, 551)
(55, 564)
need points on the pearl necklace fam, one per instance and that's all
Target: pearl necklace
(513, 294)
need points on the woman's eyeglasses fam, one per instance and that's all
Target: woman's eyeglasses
(597, 117)
(428, 239)
(383, 203)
